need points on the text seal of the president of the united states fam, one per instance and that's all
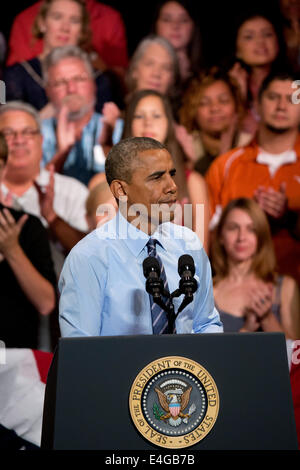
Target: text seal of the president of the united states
(174, 402)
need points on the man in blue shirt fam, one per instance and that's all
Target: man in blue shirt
(102, 284)
(71, 138)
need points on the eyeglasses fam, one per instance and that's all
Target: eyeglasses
(63, 82)
(25, 133)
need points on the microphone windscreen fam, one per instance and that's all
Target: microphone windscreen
(150, 264)
(186, 263)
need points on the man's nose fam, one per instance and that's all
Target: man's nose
(171, 186)
(19, 138)
(281, 103)
(71, 86)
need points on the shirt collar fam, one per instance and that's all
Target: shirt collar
(136, 239)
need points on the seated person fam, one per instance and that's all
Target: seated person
(69, 138)
(211, 118)
(154, 66)
(258, 50)
(28, 280)
(58, 200)
(177, 22)
(108, 35)
(249, 292)
(60, 23)
(267, 170)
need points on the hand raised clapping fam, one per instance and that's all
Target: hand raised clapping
(10, 231)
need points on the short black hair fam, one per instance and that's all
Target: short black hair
(120, 160)
(281, 75)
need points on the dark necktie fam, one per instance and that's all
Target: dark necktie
(159, 316)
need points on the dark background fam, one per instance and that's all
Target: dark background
(216, 19)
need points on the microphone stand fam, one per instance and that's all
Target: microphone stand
(170, 310)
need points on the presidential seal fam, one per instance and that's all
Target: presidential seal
(174, 402)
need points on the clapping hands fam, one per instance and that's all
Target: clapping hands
(259, 305)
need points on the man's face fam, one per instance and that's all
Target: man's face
(23, 139)
(276, 108)
(152, 184)
(69, 83)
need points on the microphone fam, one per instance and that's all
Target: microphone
(154, 285)
(186, 270)
(187, 284)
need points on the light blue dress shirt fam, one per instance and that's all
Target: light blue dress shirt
(81, 162)
(102, 283)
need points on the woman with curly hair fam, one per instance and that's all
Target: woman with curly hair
(249, 293)
(211, 117)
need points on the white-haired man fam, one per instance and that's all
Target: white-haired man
(71, 138)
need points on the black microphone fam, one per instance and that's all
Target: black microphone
(154, 285)
(187, 284)
(186, 270)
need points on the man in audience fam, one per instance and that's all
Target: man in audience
(28, 281)
(71, 139)
(268, 170)
(59, 201)
(108, 35)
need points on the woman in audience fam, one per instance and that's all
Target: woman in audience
(176, 22)
(249, 294)
(258, 48)
(59, 23)
(154, 66)
(211, 117)
(149, 114)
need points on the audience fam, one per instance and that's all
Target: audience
(249, 293)
(28, 280)
(59, 23)
(58, 200)
(211, 117)
(70, 136)
(258, 50)
(177, 22)
(267, 170)
(154, 66)
(108, 35)
(290, 10)
(149, 114)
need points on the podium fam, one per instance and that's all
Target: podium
(94, 385)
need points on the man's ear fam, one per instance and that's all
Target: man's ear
(118, 188)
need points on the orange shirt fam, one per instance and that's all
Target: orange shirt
(237, 174)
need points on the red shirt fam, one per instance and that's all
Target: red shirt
(108, 35)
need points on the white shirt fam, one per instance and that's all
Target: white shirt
(275, 161)
(69, 199)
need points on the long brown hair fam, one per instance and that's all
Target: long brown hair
(170, 142)
(264, 261)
